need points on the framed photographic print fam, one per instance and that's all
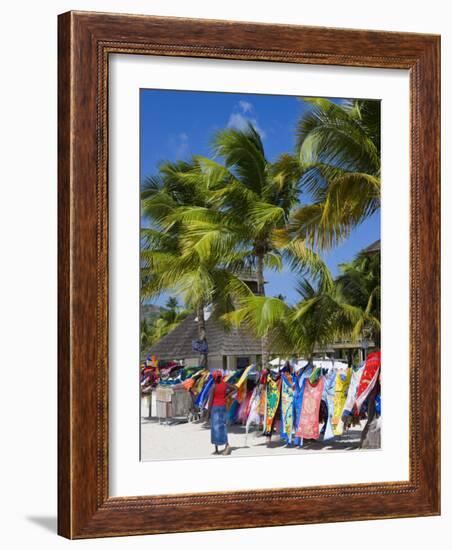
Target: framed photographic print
(248, 275)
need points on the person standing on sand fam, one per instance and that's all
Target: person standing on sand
(217, 410)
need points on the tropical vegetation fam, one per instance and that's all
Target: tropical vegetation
(154, 329)
(338, 149)
(328, 310)
(211, 218)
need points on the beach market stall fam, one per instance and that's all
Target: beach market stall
(298, 400)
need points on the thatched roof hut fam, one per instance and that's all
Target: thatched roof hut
(227, 346)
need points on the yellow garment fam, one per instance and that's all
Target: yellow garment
(273, 398)
(244, 376)
(263, 401)
(241, 384)
(340, 396)
(241, 393)
(200, 382)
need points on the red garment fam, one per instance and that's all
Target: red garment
(219, 394)
(369, 377)
(308, 425)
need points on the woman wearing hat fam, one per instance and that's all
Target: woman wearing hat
(217, 409)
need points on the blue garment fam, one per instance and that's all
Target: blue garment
(170, 381)
(218, 429)
(200, 346)
(328, 398)
(286, 390)
(233, 411)
(297, 403)
(204, 393)
(378, 405)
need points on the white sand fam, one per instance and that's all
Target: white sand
(192, 440)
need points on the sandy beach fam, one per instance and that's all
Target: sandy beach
(179, 440)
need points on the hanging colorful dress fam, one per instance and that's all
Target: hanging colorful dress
(199, 384)
(308, 426)
(353, 390)
(202, 399)
(329, 390)
(241, 392)
(243, 376)
(299, 381)
(232, 412)
(287, 397)
(263, 394)
(273, 397)
(188, 383)
(369, 378)
(342, 383)
(254, 415)
(242, 414)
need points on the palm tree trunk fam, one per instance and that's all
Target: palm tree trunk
(201, 323)
(202, 334)
(261, 292)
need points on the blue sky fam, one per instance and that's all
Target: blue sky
(178, 124)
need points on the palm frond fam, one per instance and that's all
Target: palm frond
(336, 135)
(260, 313)
(243, 155)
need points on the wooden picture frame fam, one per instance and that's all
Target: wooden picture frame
(86, 40)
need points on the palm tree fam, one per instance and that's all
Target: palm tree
(145, 335)
(153, 329)
(199, 282)
(246, 210)
(325, 313)
(163, 325)
(172, 304)
(172, 314)
(338, 149)
(210, 219)
(250, 204)
(161, 255)
(359, 283)
(323, 316)
(174, 255)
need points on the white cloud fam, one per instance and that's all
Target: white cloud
(240, 122)
(180, 144)
(246, 106)
(237, 121)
